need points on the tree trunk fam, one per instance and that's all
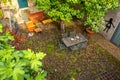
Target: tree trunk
(62, 26)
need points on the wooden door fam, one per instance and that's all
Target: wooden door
(116, 36)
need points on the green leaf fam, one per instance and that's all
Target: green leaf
(7, 54)
(18, 73)
(1, 63)
(1, 26)
(40, 55)
(30, 78)
(20, 63)
(17, 55)
(41, 75)
(29, 54)
(35, 64)
(5, 72)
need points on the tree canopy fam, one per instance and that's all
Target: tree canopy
(92, 10)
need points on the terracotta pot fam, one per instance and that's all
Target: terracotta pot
(37, 16)
(31, 29)
(89, 31)
(47, 21)
(30, 26)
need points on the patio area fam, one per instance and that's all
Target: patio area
(111, 48)
(71, 54)
(92, 61)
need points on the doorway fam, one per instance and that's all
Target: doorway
(23, 3)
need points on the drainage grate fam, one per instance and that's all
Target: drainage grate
(108, 75)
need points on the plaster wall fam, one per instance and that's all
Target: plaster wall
(13, 10)
(115, 14)
(7, 6)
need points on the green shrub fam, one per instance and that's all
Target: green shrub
(19, 65)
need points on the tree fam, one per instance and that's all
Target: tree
(58, 10)
(64, 10)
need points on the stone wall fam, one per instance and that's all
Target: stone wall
(115, 14)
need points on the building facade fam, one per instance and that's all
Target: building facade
(113, 34)
(19, 8)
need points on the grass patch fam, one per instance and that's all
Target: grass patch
(50, 49)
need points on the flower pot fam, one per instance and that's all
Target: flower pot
(31, 29)
(37, 16)
(47, 21)
(30, 26)
(89, 31)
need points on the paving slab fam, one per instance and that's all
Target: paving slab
(103, 42)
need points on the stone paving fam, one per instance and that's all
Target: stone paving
(111, 48)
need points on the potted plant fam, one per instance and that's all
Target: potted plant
(94, 23)
(89, 31)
